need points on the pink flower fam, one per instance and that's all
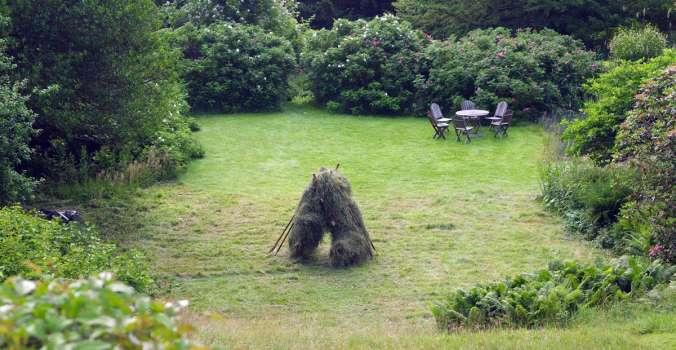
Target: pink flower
(427, 36)
(656, 250)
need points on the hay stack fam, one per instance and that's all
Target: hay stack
(327, 205)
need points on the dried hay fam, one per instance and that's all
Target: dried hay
(327, 205)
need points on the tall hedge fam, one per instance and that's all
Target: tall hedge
(365, 67)
(231, 67)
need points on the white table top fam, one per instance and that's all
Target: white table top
(472, 113)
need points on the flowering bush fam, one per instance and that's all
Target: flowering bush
(233, 67)
(98, 313)
(647, 141)
(384, 66)
(365, 67)
(533, 71)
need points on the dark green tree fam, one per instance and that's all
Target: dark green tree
(322, 13)
(111, 79)
(16, 131)
(592, 21)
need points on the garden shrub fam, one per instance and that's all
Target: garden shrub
(231, 67)
(106, 79)
(384, 66)
(365, 67)
(533, 71)
(97, 313)
(613, 97)
(16, 130)
(549, 296)
(591, 21)
(588, 197)
(635, 43)
(32, 246)
(646, 141)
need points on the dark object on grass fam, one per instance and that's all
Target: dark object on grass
(65, 216)
(327, 205)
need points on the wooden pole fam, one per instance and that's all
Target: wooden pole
(284, 239)
(283, 231)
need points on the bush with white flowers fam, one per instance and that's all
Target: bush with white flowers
(229, 67)
(97, 313)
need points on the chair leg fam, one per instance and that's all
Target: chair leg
(469, 140)
(457, 136)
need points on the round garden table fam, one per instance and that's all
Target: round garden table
(474, 116)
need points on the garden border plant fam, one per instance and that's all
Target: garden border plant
(549, 296)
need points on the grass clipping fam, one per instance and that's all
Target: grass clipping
(327, 205)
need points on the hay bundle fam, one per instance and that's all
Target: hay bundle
(327, 205)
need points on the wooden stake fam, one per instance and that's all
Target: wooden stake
(280, 236)
(284, 239)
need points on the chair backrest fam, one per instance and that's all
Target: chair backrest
(459, 122)
(432, 120)
(436, 111)
(507, 118)
(501, 109)
(467, 104)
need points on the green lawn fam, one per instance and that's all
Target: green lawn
(443, 215)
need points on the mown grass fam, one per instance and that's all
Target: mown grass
(442, 215)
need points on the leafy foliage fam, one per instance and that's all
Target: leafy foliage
(98, 313)
(110, 82)
(634, 44)
(365, 67)
(383, 66)
(32, 246)
(551, 295)
(233, 67)
(16, 130)
(591, 21)
(613, 98)
(533, 71)
(589, 197)
(272, 15)
(646, 140)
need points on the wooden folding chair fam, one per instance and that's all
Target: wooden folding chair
(500, 126)
(462, 128)
(467, 105)
(500, 111)
(439, 128)
(439, 123)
